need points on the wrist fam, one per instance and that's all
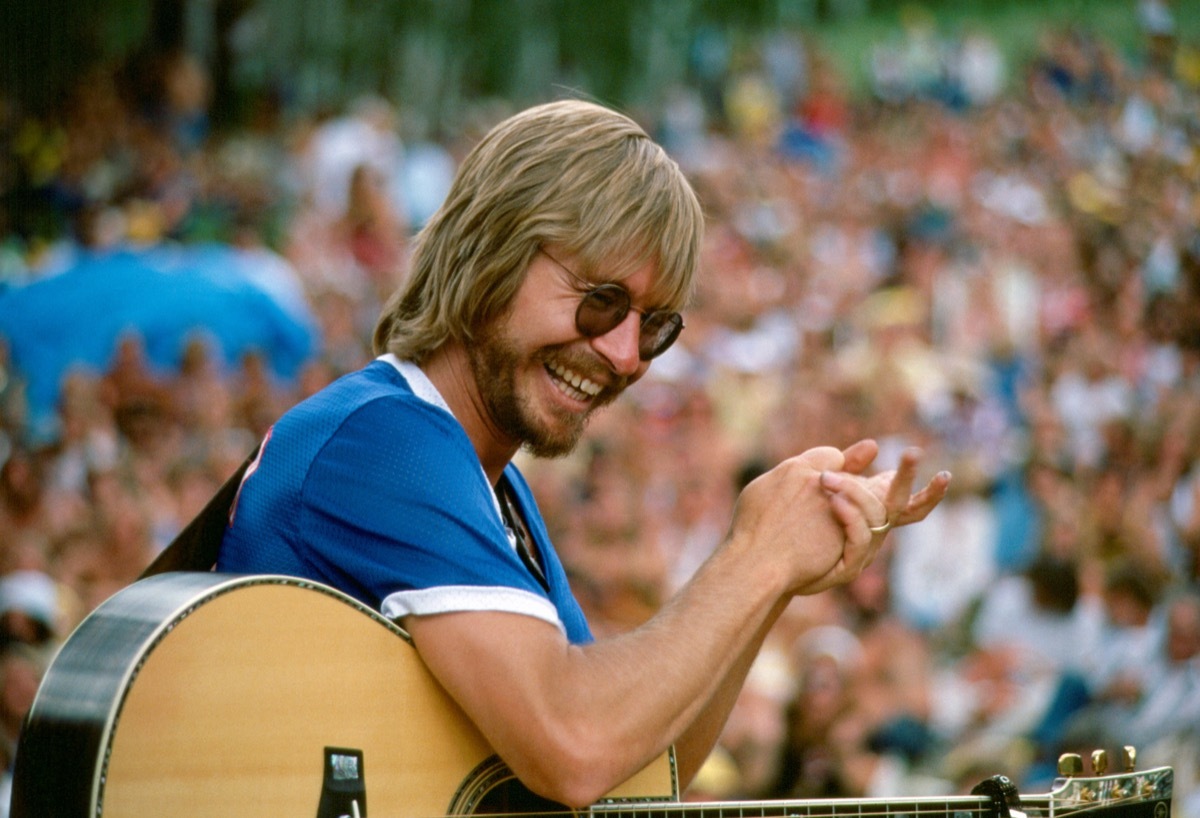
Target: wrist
(766, 574)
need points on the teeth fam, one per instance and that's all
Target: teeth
(579, 383)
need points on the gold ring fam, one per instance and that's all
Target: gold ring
(880, 529)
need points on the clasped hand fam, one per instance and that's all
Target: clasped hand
(829, 516)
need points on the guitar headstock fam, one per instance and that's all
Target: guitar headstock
(1126, 794)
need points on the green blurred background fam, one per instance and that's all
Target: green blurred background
(432, 55)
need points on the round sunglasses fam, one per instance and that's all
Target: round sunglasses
(604, 306)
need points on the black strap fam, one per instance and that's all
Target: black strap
(516, 527)
(197, 545)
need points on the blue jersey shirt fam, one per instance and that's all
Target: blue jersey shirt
(372, 486)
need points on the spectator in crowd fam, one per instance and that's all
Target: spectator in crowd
(30, 609)
(1125, 664)
(21, 669)
(1167, 714)
(1030, 632)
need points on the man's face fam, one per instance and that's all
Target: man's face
(539, 378)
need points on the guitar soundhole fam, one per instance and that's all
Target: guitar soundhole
(492, 789)
(511, 797)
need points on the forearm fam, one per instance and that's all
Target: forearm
(694, 746)
(680, 675)
(574, 721)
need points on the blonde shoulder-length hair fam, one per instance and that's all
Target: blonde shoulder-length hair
(571, 174)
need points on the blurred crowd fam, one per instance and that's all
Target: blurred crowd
(997, 263)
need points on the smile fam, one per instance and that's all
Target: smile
(573, 384)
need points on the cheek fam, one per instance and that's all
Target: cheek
(549, 325)
(538, 311)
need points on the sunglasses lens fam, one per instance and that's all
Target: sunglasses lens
(659, 331)
(601, 310)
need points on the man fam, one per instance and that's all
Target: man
(543, 287)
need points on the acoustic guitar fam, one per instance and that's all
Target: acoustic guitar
(202, 694)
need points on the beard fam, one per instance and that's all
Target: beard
(495, 362)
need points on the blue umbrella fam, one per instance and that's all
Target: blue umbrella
(239, 300)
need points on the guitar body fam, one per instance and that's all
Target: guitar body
(201, 694)
(198, 694)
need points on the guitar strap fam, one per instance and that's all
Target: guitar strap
(197, 545)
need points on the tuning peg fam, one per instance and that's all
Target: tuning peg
(1129, 758)
(1070, 764)
(1099, 762)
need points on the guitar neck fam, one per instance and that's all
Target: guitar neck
(959, 807)
(1127, 795)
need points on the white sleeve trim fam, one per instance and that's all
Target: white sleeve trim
(454, 598)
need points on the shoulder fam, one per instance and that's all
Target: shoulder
(369, 434)
(376, 403)
(381, 430)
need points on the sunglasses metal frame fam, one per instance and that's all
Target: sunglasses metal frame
(672, 318)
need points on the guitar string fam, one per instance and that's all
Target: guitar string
(768, 809)
(773, 812)
(726, 811)
(764, 809)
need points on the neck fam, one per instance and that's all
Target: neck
(449, 369)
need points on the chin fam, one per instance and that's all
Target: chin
(560, 442)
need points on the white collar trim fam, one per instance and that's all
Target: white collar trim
(422, 387)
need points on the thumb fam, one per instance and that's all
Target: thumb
(860, 455)
(824, 458)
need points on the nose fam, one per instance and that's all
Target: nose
(619, 345)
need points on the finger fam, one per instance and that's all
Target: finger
(925, 500)
(857, 491)
(899, 490)
(859, 456)
(892, 487)
(860, 545)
